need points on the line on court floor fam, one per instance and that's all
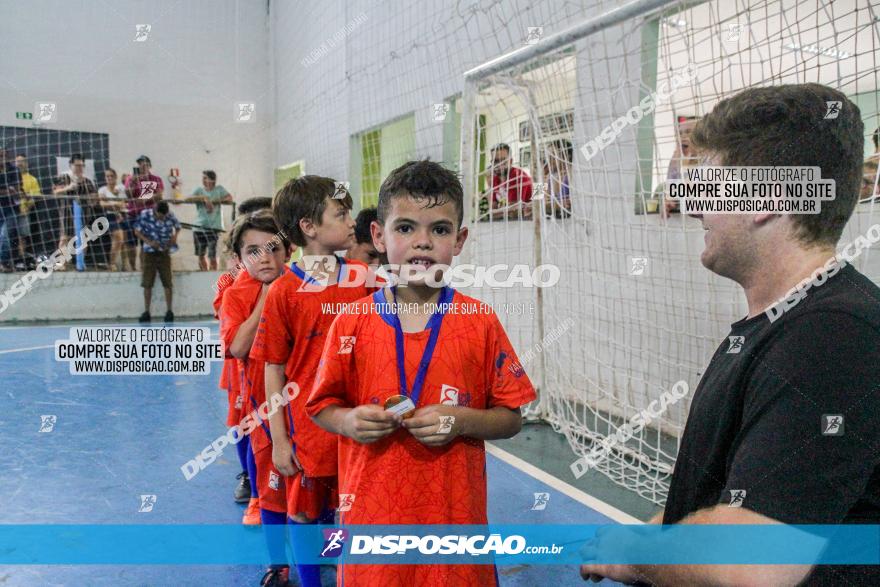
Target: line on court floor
(561, 486)
(30, 348)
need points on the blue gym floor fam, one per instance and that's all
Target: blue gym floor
(117, 437)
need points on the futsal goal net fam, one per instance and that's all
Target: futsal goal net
(598, 117)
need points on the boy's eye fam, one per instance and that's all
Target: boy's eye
(404, 228)
(441, 230)
(272, 248)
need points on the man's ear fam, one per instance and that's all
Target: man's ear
(377, 232)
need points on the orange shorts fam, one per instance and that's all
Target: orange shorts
(236, 401)
(270, 483)
(311, 495)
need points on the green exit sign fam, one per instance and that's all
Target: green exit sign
(24, 115)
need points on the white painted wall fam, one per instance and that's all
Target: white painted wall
(171, 97)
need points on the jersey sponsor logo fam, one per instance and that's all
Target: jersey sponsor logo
(346, 500)
(449, 395)
(346, 344)
(273, 480)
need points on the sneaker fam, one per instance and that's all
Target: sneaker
(242, 493)
(169, 316)
(145, 317)
(251, 515)
(276, 577)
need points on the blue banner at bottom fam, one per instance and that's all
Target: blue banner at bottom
(491, 544)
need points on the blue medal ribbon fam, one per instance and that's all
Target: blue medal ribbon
(309, 279)
(434, 324)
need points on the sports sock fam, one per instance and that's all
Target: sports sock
(251, 469)
(309, 575)
(242, 448)
(275, 542)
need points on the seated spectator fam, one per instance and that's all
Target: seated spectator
(157, 229)
(683, 156)
(207, 199)
(113, 200)
(10, 191)
(869, 190)
(510, 188)
(75, 187)
(558, 168)
(363, 249)
(31, 188)
(144, 189)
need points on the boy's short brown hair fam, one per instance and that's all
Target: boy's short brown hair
(306, 197)
(261, 220)
(422, 180)
(789, 125)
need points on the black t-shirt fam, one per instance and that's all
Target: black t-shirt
(10, 177)
(758, 415)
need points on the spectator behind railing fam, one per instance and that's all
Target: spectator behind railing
(510, 188)
(31, 189)
(113, 200)
(207, 199)
(144, 190)
(10, 190)
(85, 192)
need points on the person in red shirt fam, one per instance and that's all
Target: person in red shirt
(426, 468)
(263, 250)
(299, 310)
(510, 187)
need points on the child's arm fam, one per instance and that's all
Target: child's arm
(427, 427)
(247, 331)
(365, 424)
(282, 454)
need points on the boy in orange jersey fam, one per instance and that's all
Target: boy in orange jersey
(256, 240)
(315, 213)
(230, 380)
(428, 366)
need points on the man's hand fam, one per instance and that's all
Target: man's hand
(427, 427)
(369, 423)
(621, 573)
(284, 459)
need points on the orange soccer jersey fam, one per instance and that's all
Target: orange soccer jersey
(238, 304)
(398, 480)
(230, 376)
(292, 331)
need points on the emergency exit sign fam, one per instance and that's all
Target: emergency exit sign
(24, 115)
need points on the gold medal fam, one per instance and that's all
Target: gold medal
(405, 411)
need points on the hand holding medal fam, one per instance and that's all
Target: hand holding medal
(369, 422)
(433, 425)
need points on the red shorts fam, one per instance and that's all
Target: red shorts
(270, 483)
(236, 401)
(311, 495)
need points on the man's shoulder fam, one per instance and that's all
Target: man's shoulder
(848, 298)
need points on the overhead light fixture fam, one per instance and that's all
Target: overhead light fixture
(675, 23)
(817, 50)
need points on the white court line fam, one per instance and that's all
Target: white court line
(561, 486)
(30, 348)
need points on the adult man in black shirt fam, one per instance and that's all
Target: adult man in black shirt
(783, 427)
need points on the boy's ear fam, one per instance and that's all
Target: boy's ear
(460, 240)
(377, 231)
(307, 226)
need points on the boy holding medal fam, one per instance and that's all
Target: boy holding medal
(314, 212)
(413, 395)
